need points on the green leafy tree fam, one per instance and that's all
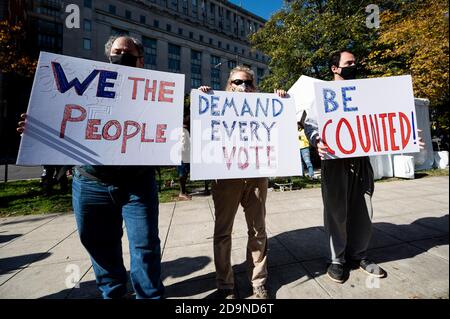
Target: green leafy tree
(301, 36)
(413, 39)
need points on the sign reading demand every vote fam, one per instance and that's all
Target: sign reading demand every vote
(367, 117)
(243, 135)
(88, 112)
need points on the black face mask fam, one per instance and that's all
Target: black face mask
(125, 59)
(349, 72)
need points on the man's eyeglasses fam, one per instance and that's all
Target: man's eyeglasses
(239, 82)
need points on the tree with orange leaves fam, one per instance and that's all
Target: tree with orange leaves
(12, 60)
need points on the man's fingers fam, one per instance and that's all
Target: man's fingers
(281, 93)
(23, 115)
(204, 89)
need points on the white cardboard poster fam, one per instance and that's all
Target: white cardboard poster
(243, 135)
(89, 112)
(303, 93)
(367, 117)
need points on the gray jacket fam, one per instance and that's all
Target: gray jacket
(311, 127)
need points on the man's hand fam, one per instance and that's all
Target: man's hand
(205, 88)
(322, 149)
(21, 124)
(281, 93)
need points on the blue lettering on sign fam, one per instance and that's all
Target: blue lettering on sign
(64, 85)
(346, 98)
(329, 98)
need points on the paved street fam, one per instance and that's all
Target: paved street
(15, 172)
(41, 255)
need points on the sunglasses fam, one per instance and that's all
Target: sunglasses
(239, 82)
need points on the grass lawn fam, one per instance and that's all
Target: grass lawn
(27, 198)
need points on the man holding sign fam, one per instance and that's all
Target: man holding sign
(108, 127)
(355, 119)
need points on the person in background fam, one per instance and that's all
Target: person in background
(304, 151)
(183, 169)
(53, 175)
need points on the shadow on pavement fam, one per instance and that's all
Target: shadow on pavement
(40, 218)
(180, 267)
(10, 264)
(7, 238)
(309, 241)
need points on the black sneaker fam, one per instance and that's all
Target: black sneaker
(336, 273)
(371, 268)
(225, 294)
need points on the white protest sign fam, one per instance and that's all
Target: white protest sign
(367, 117)
(88, 112)
(243, 135)
(303, 93)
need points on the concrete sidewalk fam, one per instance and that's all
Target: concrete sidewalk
(40, 256)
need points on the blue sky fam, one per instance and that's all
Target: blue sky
(263, 8)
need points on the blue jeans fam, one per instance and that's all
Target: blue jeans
(100, 210)
(306, 158)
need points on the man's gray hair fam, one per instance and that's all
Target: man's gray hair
(137, 43)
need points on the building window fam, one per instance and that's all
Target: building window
(112, 9)
(235, 50)
(175, 4)
(52, 12)
(228, 47)
(212, 11)
(156, 24)
(149, 52)
(49, 35)
(219, 44)
(168, 28)
(87, 44)
(180, 31)
(191, 35)
(116, 31)
(215, 72)
(201, 38)
(87, 26)
(195, 8)
(231, 64)
(185, 7)
(210, 41)
(174, 58)
(88, 3)
(128, 14)
(142, 19)
(196, 69)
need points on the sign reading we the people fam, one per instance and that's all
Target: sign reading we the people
(367, 117)
(88, 112)
(242, 135)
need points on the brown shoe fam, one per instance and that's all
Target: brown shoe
(260, 292)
